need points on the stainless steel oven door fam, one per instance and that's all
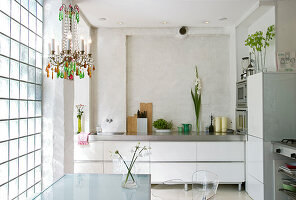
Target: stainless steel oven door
(242, 121)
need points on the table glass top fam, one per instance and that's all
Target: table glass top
(96, 186)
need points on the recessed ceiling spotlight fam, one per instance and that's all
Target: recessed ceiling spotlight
(164, 22)
(223, 19)
(206, 22)
(102, 19)
(120, 23)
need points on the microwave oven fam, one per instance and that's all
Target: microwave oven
(241, 94)
(242, 120)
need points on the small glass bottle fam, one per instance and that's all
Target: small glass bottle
(99, 129)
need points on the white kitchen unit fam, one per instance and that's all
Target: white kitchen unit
(271, 117)
(170, 161)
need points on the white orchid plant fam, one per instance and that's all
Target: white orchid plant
(196, 97)
(138, 151)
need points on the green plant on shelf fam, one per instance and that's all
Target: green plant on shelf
(162, 124)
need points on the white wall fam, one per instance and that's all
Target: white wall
(109, 80)
(161, 70)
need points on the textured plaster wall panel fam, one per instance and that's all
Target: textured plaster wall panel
(161, 70)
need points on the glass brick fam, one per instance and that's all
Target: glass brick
(4, 45)
(39, 60)
(23, 146)
(33, 7)
(4, 130)
(38, 158)
(40, 1)
(24, 17)
(23, 72)
(32, 58)
(39, 28)
(4, 87)
(31, 142)
(39, 12)
(37, 187)
(14, 128)
(32, 40)
(4, 151)
(38, 76)
(15, 50)
(24, 54)
(22, 164)
(38, 108)
(32, 23)
(38, 125)
(31, 91)
(31, 109)
(38, 92)
(13, 169)
(30, 161)
(25, 3)
(24, 35)
(37, 174)
(14, 89)
(15, 10)
(15, 30)
(22, 196)
(14, 69)
(5, 24)
(3, 173)
(31, 126)
(30, 192)
(22, 183)
(23, 127)
(13, 188)
(5, 6)
(23, 90)
(39, 44)
(13, 149)
(23, 109)
(14, 109)
(4, 105)
(32, 73)
(38, 141)
(4, 191)
(4, 66)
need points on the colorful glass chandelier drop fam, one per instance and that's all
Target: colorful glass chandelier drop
(71, 60)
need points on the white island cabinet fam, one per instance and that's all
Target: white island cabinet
(169, 161)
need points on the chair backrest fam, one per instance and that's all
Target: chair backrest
(204, 185)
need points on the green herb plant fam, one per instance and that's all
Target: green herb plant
(162, 124)
(258, 43)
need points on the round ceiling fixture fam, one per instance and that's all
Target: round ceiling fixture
(206, 22)
(223, 19)
(102, 19)
(164, 22)
(120, 23)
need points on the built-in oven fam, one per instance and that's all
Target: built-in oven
(241, 94)
(242, 120)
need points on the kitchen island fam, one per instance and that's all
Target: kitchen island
(174, 157)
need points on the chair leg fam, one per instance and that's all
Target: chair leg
(186, 187)
(240, 187)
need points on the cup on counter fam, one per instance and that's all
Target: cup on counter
(180, 129)
(224, 124)
(218, 126)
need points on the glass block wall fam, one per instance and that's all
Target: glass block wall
(21, 32)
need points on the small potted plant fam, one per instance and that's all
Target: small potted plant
(162, 126)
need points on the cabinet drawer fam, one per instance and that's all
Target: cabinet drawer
(173, 151)
(254, 158)
(227, 172)
(140, 168)
(88, 167)
(92, 151)
(179, 172)
(125, 149)
(220, 151)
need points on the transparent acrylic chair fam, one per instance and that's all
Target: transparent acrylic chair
(204, 185)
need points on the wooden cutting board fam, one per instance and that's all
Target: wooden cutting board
(132, 125)
(148, 108)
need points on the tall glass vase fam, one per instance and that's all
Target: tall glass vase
(79, 124)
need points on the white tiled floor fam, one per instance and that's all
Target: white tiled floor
(176, 192)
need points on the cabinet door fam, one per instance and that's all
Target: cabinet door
(254, 188)
(92, 151)
(172, 172)
(227, 172)
(220, 151)
(254, 161)
(88, 167)
(173, 151)
(124, 147)
(140, 168)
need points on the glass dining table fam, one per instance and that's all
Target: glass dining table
(96, 187)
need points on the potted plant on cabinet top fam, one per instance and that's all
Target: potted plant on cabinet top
(162, 126)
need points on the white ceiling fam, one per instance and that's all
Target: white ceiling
(151, 13)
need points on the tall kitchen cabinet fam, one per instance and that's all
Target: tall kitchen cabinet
(271, 117)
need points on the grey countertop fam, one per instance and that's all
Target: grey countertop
(174, 136)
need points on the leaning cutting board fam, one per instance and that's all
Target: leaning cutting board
(148, 108)
(132, 125)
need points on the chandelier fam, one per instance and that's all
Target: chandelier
(71, 60)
